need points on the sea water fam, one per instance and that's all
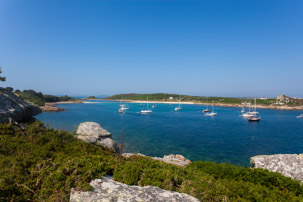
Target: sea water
(226, 137)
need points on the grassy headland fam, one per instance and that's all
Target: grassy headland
(283, 101)
(38, 163)
(39, 99)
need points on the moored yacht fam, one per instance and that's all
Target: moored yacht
(206, 110)
(243, 110)
(179, 108)
(213, 113)
(146, 111)
(254, 119)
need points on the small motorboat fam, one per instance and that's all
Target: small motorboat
(154, 106)
(206, 110)
(254, 119)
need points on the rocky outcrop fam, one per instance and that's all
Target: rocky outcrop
(92, 132)
(289, 165)
(177, 159)
(106, 189)
(15, 109)
(51, 108)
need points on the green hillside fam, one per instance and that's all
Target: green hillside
(187, 98)
(38, 164)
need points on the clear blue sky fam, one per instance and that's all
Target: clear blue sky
(207, 47)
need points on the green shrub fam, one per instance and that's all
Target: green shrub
(44, 164)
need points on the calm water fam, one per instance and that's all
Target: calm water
(224, 138)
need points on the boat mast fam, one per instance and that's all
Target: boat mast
(255, 105)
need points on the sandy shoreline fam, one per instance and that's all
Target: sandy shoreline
(216, 104)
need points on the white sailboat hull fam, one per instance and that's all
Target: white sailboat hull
(147, 111)
(178, 109)
(300, 116)
(211, 114)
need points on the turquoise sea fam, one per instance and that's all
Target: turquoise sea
(224, 138)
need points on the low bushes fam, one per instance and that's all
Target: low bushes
(38, 163)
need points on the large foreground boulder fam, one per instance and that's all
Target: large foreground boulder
(289, 165)
(15, 109)
(93, 133)
(106, 189)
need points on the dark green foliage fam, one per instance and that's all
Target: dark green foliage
(210, 181)
(39, 99)
(2, 78)
(203, 99)
(52, 98)
(44, 164)
(9, 89)
(41, 163)
(91, 97)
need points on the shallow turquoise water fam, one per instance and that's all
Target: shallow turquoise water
(224, 138)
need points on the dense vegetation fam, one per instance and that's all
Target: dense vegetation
(38, 163)
(203, 99)
(91, 98)
(39, 99)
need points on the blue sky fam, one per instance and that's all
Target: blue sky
(207, 47)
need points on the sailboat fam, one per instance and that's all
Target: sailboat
(123, 107)
(300, 116)
(255, 114)
(146, 111)
(179, 108)
(206, 110)
(213, 113)
(154, 105)
(248, 114)
(243, 110)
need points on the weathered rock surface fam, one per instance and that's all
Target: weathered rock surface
(289, 165)
(177, 159)
(13, 108)
(92, 132)
(51, 108)
(106, 189)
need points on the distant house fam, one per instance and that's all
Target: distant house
(170, 98)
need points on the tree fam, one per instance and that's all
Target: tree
(2, 78)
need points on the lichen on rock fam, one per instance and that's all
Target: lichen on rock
(93, 133)
(289, 165)
(106, 189)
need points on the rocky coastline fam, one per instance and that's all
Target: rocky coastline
(14, 109)
(51, 106)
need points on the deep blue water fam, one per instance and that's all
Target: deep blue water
(224, 138)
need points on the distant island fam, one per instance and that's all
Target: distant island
(90, 98)
(280, 102)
